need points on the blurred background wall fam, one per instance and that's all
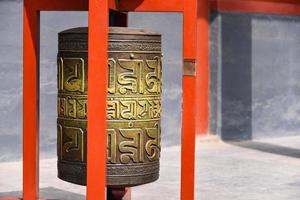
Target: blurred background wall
(255, 75)
(169, 25)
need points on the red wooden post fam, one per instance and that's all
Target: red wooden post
(30, 102)
(188, 109)
(97, 86)
(202, 91)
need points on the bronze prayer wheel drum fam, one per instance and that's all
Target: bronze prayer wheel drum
(133, 106)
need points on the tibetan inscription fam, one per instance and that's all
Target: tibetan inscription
(133, 108)
(130, 143)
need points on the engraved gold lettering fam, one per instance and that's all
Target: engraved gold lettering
(113, 109)
(153, 79)
(130, 111)
(111, 146)
(130, 80)
(130, 147)
(72, 144)
(71, 107)
(153, 145)
(111, 76)
(81, 108)
(143, 110)
(154, 108)
(72, 76)
(61, 106)
(133, 107)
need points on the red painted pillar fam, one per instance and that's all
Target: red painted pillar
(202, 91)
(30, 101)
(97, 86)
(188, 99)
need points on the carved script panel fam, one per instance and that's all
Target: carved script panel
(71, 141)
(134, 76)
(126, 142)
(133, 143)
(71, 75)
(75, 107)
(133, 109)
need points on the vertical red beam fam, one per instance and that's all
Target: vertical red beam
(188, 109)
(97, 84)
(30, 101)
(202, 91)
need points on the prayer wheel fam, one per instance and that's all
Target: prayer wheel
(133, 106)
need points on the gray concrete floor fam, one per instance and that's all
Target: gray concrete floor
(258, 170)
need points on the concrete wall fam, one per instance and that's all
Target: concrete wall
(170, 25)
(255, 87)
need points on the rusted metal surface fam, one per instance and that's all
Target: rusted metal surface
(133, 106)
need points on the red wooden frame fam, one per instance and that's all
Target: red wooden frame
(195, 46)
(202, 85)
(98, 28)
(282, 7)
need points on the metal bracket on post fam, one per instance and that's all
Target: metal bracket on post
(189, 67)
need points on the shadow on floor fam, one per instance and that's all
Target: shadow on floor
(50, 193)
(269, 148)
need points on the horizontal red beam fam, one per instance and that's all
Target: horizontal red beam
(67, 5)
(286, 7)
(123, 5)
(151, 5)
(61, 5)
(283, 7)
(274, 1)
